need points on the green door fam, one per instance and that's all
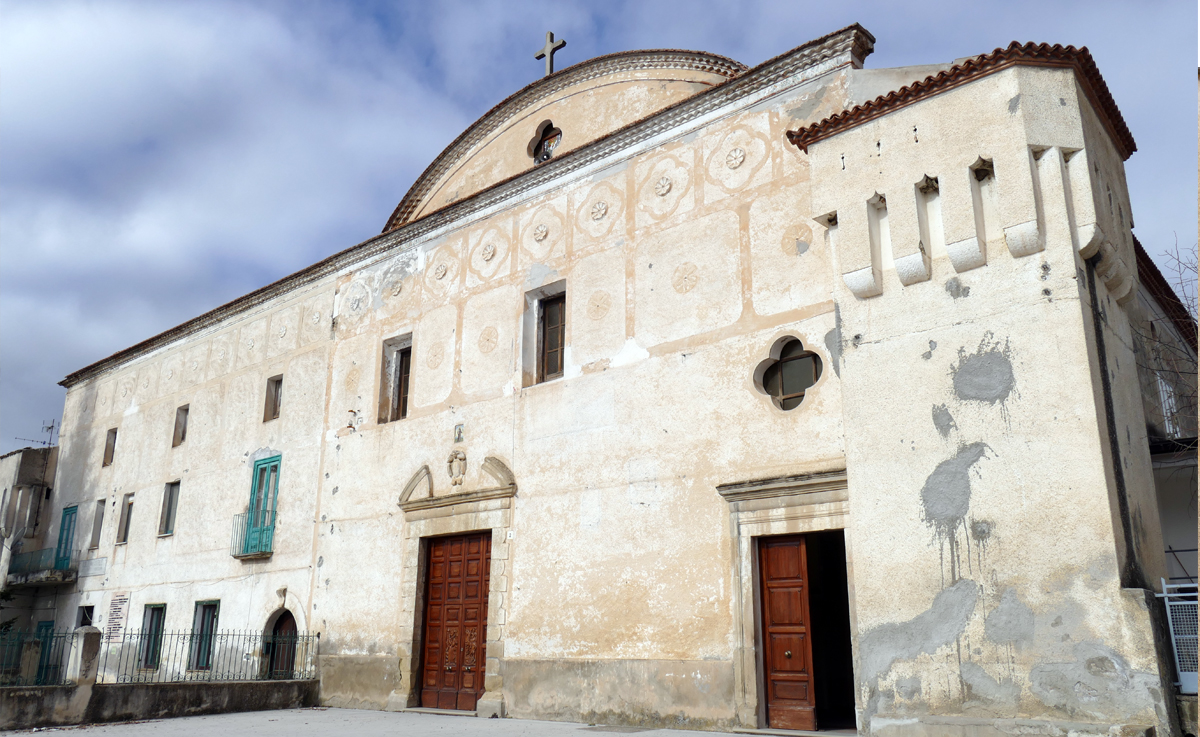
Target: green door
(260, 520)
(66, 538)
(47, 672)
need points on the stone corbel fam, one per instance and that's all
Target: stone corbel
(1024, 239)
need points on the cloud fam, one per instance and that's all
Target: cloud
(160, 159)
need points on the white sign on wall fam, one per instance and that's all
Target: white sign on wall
(118, 609)
(92, 567)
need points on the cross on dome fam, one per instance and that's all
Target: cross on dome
(547, 51)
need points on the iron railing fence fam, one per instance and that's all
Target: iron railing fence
(149, 656)
(47, 559)
(1180, 599)
(34, 658)
(253, 534)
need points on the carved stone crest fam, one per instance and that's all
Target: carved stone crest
(599, 210)
(456, 466)
(662, 187)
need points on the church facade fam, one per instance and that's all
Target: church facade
(682, 393)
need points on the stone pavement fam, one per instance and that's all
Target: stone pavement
(322, 722)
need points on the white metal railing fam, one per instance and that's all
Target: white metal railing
(1180, 599)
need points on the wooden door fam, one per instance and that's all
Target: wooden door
(281, 654)
(787, 645)
(456, 603)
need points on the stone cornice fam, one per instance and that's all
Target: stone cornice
(847, 46)
(1030, 54)
(449, 500)
(783, 486)
(533, 94)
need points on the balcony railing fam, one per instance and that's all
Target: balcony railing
(253, 534)
(48, 567)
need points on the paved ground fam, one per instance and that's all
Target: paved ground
(322, 722)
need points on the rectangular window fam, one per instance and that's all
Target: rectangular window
(97, 524)
(204, 628)
(110, 447)
(181, 418)
(85, 617)
(126, 514)
(166, 520)
(150, 651)
(274, 398)
(1166, 400)
(552, 325)
(394, 384)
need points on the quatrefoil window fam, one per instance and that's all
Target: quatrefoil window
(789, 372)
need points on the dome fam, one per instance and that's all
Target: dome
(568, 109)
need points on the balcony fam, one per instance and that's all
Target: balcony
(47, 567)
(253, 535)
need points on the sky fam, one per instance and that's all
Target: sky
(159, 159)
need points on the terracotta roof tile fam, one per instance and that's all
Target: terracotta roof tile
(1029, 54)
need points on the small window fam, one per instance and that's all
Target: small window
(86, 616)
(394, 384)
(150, 650)
(204, 630)
(545, 139)
(552, 325)
(166, 520)
(123, 524)
(274, 398)
(110, 447)
(787, 378)
(181, 418)
(97, 524)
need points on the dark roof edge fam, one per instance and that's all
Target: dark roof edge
(1159, 288)
(1029, 54)
(766, 73)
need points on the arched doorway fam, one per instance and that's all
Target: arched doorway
(280, 647)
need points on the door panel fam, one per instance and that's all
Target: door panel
(66, 539)
(456, 621)
(787, 647)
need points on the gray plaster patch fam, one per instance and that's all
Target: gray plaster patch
(1098, 684)
(929, 353)
(984, 376)
(943, 420)
(1010, 622)
(833, 342)
(1014, 104)
(539, 274)
(946, 495)
(934, 628)
(262, 453)
(908, 688)
(805, 109)
(956, 289)
(981, 529)
(982, 687)
(801, 247)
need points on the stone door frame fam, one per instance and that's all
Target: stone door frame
(789, 505)
(454, 514)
